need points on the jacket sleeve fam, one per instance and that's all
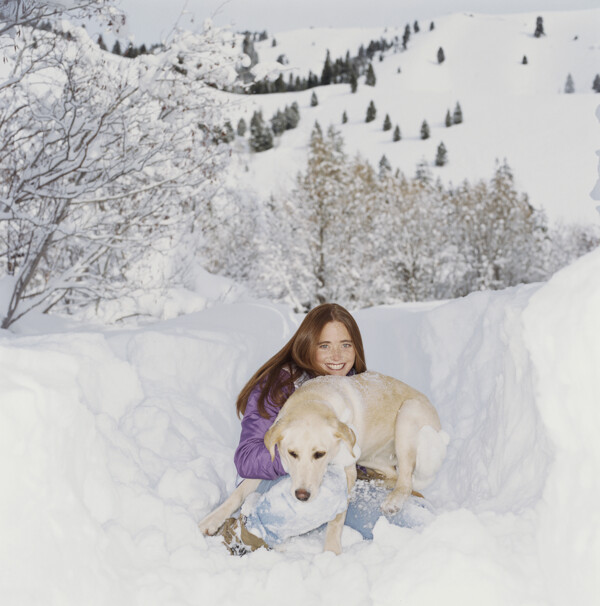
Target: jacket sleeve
(252, 459)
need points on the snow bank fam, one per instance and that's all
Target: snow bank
(113, 443)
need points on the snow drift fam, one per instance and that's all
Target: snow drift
(113, 443)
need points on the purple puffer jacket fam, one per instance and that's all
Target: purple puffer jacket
(252, 459)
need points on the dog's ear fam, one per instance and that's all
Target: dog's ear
(273, 437)
(343, 432)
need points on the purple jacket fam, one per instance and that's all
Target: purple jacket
(252, 459)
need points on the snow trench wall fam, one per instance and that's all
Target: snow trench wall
(113, 444)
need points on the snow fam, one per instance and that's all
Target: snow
(115, 442)
(511, 111)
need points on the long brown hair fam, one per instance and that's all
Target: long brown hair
(298, 356)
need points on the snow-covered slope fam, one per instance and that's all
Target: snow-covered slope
(114, 443)
(513, 111)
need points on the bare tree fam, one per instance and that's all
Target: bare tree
(102, 159)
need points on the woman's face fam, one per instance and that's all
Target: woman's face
(335, 350)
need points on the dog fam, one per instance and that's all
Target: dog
(368, 419)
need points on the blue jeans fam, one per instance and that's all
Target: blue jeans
(276, 515)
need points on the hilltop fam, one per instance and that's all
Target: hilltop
(513, 111)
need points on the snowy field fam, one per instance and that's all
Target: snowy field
(511, 111)
(115, 442)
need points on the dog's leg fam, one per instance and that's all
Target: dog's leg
(333, 534)
(409, 421)
(213, 521)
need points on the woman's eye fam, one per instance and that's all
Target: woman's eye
(347, 345)
(319, 455)
(323, 346)
(293, 454)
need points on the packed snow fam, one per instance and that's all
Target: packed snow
(115, 442)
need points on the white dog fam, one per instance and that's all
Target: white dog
(368, 419)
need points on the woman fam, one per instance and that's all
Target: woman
(327, 342)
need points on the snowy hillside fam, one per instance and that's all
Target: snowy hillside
(513, 111)
(113, 444)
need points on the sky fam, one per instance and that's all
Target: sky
(151, 20)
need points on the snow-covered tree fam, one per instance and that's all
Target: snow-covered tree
(448, 119)
(397, 136)
(102, 160)
(241, 127)
(441, 157)
(441, 57)
(387, 123)
(569, 85)
(261, 135)
(314, 101)
(457, 116)
(370, 79)
(425, 133)
(539, 27)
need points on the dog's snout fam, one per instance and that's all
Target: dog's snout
(302, 494)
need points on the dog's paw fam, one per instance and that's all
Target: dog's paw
(393, 503)
(209, 526)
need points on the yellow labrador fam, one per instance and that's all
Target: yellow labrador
(371, 419)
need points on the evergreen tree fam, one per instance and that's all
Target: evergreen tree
(292, 116)
(261, 137)
(370, 79)
(100, 43)
(278, 123)
(448, 120)
(327, 73)
(406, 36)
(569, 85)
(387, 123)
(384, 166)
(353, 81)
(371, 112)
(596, 84)
(425, 130)
(441, 157)
(431, 26)
(457, 116)
(416, 28)
(313, 100)
(539, 27)
(241, 127)
(524, 61)
(344, 118)
(116, 49)
(440, 55)
(397, 136)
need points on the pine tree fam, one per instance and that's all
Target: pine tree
(596, 84)
(278, 123)
(327, 73)
(370, 79)
(241, 127)
(292, 116)
(441, 157)
(387, 123)
(406, 36)
(353, 81)
(539, 27)
(448, 120)
(569, 85)
(384, 165)
(397, 136)
(116, 49)
(344, 118)
(457, 116)
(313, 100)
(431, 26)
(416, 28)
(371, 112)
(440, 55)
(425, 130)
(524, 61)
(261, 137)
(100, 43)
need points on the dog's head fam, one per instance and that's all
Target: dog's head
(306, 445)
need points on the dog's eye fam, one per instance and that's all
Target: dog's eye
(293, 454)
(319, 455)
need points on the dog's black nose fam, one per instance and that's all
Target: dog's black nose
(302, 494)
